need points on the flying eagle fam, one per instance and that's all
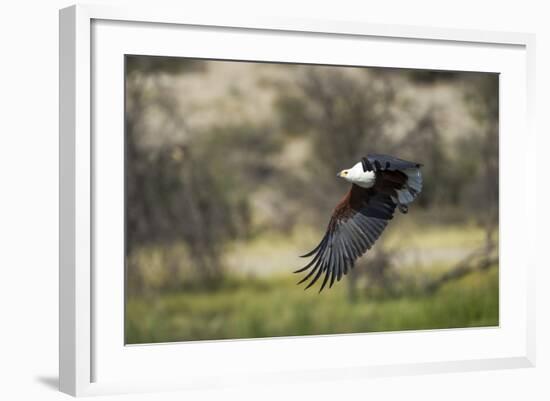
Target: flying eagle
(379, 184)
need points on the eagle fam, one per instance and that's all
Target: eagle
(379, 184)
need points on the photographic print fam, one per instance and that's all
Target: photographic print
(278, 199)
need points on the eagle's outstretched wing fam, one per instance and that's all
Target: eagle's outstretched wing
(355, 225)
(392, 169)
(377, 162)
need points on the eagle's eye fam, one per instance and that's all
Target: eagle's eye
(345, 173)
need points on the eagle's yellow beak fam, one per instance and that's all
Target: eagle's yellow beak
(342, 173)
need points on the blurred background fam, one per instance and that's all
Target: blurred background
(231, 174)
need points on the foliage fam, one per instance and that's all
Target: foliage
(183, 189)
(247, 308)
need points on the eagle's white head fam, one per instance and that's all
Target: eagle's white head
(357, 176)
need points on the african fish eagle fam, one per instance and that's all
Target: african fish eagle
(379, 184)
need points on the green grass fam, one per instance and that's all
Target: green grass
(275, 306)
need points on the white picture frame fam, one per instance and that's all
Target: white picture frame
(95, 361)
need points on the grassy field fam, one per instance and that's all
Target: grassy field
(275, 306)
(277, 252)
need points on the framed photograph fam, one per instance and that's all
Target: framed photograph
(278, 200)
